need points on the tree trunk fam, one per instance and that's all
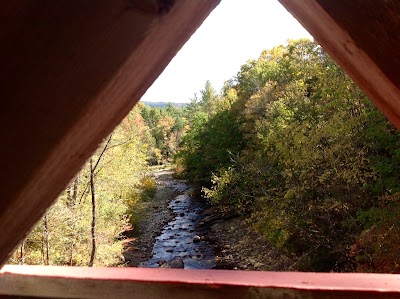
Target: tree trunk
(75, 189)
(22, 253)
(72, 205)
(72, 239)
(92, 189)
(46, 240)
(72, 192)
(93, 253)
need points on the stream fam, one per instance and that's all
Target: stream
(181, 239)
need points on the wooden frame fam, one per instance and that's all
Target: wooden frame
(363, 36)
(75, 282)
(71, 70)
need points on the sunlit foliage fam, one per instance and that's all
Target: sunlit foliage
(302, 151)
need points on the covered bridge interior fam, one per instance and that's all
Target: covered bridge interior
(71, 70)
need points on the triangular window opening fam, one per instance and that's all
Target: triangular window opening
(287, 166)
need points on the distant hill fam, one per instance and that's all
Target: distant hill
(164, 104)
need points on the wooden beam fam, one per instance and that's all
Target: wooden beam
(363, 36)
(75, 282)
(70, 71)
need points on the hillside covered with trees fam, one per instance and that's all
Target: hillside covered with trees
(86, 225)
(296, 148)
(291, 146)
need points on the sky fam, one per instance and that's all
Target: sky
(235, 32)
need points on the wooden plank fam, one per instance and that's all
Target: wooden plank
(363, 36)
(70, 71)
(75, 282)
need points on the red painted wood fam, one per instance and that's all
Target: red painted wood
(92, 282)
(301, 280)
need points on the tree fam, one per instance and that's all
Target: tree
(85, 224)
(209, 98)
(298, 149)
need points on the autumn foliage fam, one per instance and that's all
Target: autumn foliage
(294, 144)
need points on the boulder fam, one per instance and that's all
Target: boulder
(175, 263)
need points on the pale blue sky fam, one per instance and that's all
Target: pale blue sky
(236, 31)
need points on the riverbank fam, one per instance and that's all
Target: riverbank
(234, 242)
(238, 246)
(168, 228)
(152, 215)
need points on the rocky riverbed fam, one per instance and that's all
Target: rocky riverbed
(181, 242)
(169, 232)
(177, 230)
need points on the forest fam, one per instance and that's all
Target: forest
(290, 145)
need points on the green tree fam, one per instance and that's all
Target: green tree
(86, 222)
(311, 158)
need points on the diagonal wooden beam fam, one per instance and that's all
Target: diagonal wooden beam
(70, 71)
(363, 36)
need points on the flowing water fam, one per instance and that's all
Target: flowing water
(178, 237)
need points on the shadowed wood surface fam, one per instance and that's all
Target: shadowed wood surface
(70, 71)
(363, 36)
